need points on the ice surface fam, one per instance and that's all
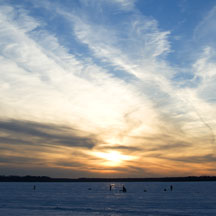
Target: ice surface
(78, 199)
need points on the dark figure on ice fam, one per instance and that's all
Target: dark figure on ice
(110, 187)
(34, 188)
(124, 189)
(171, 187)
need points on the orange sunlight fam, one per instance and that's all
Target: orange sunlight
(113, 158)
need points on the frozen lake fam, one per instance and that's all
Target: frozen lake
(186, 199)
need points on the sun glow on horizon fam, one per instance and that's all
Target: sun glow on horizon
(113, 158)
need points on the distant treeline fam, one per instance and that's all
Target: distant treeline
(29, 178)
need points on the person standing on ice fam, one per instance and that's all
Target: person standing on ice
(124, 189)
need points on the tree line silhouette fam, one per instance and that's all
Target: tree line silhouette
(29, 178)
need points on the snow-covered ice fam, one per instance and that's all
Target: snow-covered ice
(78, 199)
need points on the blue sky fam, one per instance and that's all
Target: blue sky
(110, 88)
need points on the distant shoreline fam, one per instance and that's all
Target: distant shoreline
(49, 179)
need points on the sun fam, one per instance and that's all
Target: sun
(112, 158)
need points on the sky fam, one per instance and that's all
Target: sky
(108, 88)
